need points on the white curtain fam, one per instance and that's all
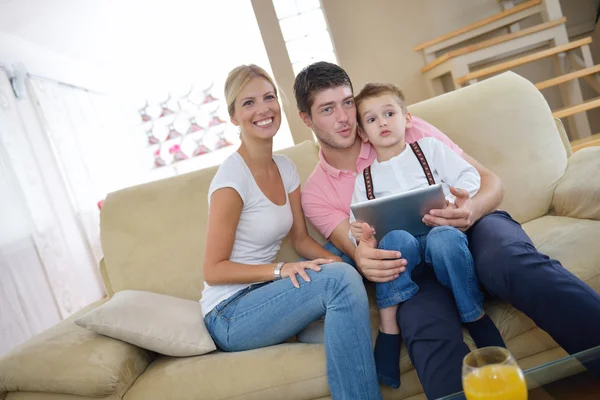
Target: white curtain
(61, 150)
(95, 151)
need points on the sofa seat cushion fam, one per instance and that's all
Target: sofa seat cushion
(68, 359)
(54, 396)
(286, 371)
(572, 241)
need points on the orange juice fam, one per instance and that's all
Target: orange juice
(495, 382)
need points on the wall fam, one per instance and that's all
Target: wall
(374, 40)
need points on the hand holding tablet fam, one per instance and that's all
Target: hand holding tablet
(401, 211)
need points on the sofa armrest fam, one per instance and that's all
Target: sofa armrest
(577, 195)
(69, 359)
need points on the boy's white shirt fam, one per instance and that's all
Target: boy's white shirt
(404, 172)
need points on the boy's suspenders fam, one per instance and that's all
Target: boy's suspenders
(421, 157)
(422, 160)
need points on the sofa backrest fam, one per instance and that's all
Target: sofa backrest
(506, 124)
(153, 234)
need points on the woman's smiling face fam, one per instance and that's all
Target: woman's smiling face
(257, 110)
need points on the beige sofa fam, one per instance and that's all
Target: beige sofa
(153, 237)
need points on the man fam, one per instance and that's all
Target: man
(507, 263)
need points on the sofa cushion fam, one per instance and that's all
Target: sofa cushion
(578, 192)
(68, 359)
(522, 144)
(153, 235)
(573, 242)
(54, 396)
(288, 371)
(164, 324)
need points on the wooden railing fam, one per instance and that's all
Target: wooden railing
(522, 60)
(493, 41)
(568, 77)
(579, 144)
(479, 24)
(576, 109)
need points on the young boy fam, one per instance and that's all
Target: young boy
(383, 119)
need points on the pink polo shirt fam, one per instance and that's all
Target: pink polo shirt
(327, 194)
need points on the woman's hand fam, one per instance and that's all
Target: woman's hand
(289, 270)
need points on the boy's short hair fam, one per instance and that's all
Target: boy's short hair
(371, 90)
(316, 77)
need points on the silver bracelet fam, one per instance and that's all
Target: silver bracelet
(277, 271)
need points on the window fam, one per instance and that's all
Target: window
(305, 32)
(182, 118)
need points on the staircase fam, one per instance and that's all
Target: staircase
(466, 57)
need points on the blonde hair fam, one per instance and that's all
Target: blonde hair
(238, 78)
(379, 89)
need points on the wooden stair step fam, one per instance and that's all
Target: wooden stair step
(492, 42)
(523, 60)
(576, 109)
(478, 24)
(568, 77)
(579, 144)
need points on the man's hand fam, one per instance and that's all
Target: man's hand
(461, 215)
(374, 264)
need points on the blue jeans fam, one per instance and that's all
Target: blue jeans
(336, 252)
(444, 248)
(269, 313)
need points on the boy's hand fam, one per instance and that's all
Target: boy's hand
(356, 230)
(449, 204)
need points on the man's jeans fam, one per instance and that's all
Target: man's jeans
(334, 250)
(269, 313)
(443, 248)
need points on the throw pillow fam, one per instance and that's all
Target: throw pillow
(157, 322)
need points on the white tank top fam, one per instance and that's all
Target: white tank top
(262, 225)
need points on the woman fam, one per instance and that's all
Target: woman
(249, 301)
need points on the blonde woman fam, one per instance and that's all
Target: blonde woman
(249, 301)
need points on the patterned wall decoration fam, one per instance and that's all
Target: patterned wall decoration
(180, 128)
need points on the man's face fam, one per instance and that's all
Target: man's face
(333, 118)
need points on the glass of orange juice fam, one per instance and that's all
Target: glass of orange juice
(491, 373)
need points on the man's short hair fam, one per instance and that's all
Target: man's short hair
(379, 89)
(316, 77)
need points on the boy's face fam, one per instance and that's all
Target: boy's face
(383, 122)
(333, 117)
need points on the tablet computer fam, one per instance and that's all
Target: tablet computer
(401, 211)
